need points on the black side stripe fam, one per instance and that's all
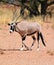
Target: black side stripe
(32, 33)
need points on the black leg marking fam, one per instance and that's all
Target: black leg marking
(38, 38)
(42, 39)
(23, 38)
(33, 37)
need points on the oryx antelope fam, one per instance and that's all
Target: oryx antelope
(25, 28)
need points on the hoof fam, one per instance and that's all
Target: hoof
(44, 47)
(38, 49)
(21, 49)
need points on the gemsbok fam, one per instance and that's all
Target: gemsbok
(25, 28)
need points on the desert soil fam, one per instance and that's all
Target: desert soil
(10, 43)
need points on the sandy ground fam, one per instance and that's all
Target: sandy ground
(45, 56)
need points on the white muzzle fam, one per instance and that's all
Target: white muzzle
(11, 31)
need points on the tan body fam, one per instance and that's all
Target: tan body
(27, 28)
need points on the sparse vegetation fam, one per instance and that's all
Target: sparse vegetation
(6, 15)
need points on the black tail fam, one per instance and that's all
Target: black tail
(41, 36)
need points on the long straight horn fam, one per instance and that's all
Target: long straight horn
(14, 15)
(17, 18)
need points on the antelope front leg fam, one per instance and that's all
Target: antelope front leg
(23, 44)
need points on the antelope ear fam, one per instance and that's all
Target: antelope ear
(16, 23)
(9, 24)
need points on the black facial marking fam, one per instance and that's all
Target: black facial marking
(12, 27)
(23, 38)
